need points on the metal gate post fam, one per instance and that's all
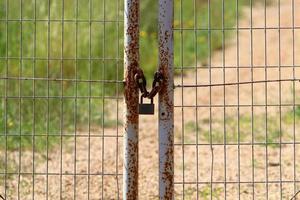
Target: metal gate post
(131, 117)
(166, 104)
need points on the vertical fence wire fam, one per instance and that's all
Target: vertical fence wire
(210, 99)
(61, 84)
(224, 99)
(20, 101)
(294, 96)
(76, 101)
(252, 100)
(196, 94)
(48, 100)
(266, 97)
(5, 104)
(237, 137)
(60, 91)
(61, 102)
(280, 100)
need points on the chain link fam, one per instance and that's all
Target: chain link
(156, 85)
(141, 83)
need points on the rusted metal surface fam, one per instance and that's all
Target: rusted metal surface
(166, 96)
(131, 117)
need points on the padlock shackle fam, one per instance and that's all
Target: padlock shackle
(141, 99)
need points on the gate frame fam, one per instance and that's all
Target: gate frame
(131, 100)
(166, 100)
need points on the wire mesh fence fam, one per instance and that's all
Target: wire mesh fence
(60, 80)
(236, 80)
(236, 118)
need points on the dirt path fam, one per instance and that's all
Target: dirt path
(236, 54)
(237, 159)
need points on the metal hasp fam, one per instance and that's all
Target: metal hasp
(166, 102)
(131, 99)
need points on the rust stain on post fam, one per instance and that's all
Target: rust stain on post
(131, 117)
(166, 102)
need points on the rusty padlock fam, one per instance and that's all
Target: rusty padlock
(146, 108)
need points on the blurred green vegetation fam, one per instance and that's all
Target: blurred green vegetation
(265, 130)
(37, 48)
(204, 192)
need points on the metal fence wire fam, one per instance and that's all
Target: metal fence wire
(237, 110)
(235, 115)
(61, 80)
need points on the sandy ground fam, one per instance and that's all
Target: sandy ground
(244, 163)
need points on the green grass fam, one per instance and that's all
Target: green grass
(204, 42)
(204, 193)
(100, 40)
(263, 133)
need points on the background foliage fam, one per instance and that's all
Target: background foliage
(98, 49)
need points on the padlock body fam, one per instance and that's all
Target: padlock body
(146, 109)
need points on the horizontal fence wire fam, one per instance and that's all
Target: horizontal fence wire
(61, 69)
(236, 103)
(239, 83)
